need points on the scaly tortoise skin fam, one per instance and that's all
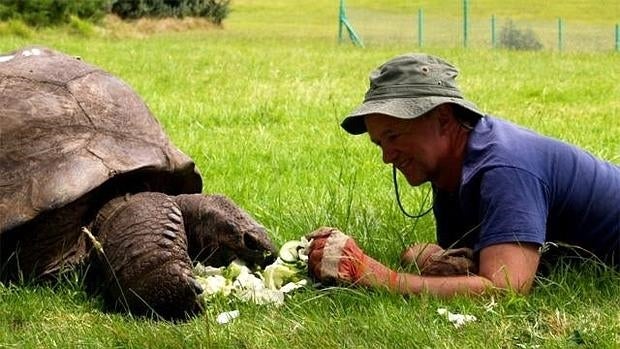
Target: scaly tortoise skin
(81, 153)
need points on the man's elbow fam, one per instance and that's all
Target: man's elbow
(522, 287)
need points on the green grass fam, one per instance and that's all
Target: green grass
(257, 106)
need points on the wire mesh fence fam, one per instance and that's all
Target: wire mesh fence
(436, 29)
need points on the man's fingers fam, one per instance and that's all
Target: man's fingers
(317, 247)
(443, 265)
(321, 232)
(459, 252)
(334, 256)
(318, 243)
(419, 254)
(315, 266)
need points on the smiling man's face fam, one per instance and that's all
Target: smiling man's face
(414, 146)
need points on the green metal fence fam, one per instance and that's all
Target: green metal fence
(426, 28)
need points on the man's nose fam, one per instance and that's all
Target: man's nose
(389, 155)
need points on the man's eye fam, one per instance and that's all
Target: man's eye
(392, 137)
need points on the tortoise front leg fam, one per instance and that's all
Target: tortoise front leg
(144, 266)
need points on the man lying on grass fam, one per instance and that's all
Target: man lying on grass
(500, 192)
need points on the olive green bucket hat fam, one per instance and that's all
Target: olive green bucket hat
(406, 87)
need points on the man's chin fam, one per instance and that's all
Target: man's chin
(414, 182)
(414, 179)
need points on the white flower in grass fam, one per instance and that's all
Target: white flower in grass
(457, 320)
(227, 316)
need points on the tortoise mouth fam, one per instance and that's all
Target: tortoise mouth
(258, 252)
(260, 258)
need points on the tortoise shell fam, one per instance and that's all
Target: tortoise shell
(71, 132)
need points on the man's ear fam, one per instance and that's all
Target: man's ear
(445, 116)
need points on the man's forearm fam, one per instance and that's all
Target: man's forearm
(377, 275)
(444, 286)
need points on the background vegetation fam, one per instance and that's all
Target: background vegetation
(215, 10)
(44, 13)
(257, 104)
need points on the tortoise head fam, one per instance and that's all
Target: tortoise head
(219, 231)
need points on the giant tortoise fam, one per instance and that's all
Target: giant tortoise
(88, 177)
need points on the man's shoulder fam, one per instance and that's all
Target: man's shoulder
(502, 135)
(497, 143)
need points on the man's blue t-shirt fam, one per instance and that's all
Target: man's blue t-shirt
(519, 186)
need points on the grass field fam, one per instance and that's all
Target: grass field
(257, 105)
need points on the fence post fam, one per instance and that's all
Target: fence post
(343, 22)
(493, 43)
(420, 27)
(617, 38)
(560, 34)
(340, 16)
(465, 22)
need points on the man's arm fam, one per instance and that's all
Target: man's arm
(502, 266)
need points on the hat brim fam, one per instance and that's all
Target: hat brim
(402, 108)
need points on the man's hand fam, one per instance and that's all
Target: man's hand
(432, 260)
(335, 256)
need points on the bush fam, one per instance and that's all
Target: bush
(43, 13)
(90, 10)
(81, 27)
(16, 27)
(213, 10)
(512, 37)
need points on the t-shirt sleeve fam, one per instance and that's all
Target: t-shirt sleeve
(514, 205)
